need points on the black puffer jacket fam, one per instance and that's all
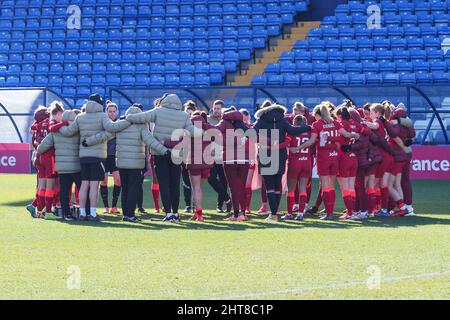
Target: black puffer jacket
(112, 148)
(272, 119)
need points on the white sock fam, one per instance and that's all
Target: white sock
(93, 212)
(169, 214)
(82, 212)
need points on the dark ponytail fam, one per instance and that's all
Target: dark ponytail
(345, 114)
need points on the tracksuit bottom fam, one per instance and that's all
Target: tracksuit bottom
(140, 196)
(237, 176)
(273, 189)
(66, 180)
(218, 182)
(406, 185)
(361, 197)
(169, 182)
(131, 182)
(187, 190)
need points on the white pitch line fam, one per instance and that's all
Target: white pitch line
(331, 286)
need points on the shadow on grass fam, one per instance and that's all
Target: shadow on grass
(217, 222)
(21, 203)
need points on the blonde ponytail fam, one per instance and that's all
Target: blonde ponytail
(323, 110)
(387, 111)
(325, 113)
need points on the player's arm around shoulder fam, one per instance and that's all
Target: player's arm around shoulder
(46, 144)
(114, 126)
(148, 138)
(72, 129)
(143, 117)
(98, 138)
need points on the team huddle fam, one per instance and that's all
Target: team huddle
(368, 150)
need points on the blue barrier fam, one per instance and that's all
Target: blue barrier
(425, 103)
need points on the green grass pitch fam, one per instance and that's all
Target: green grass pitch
(389, 258)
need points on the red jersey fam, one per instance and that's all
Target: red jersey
(383, 136)
(351, 127)
(311, 118)
(45, 128)
(296, 141)
(326, 148)
(381, 129)
(37, 134)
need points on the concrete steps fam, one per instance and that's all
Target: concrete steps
(299, 32)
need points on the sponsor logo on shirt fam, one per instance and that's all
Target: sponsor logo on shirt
(333, 154)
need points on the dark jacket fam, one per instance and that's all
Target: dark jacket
(228, 122)
(403, 132)
(366, 151)
(374, 153)
(272, 119)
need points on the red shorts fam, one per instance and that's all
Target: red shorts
(299, 169)
(348, 166)
(385, 165)
(47, 167)
(327, 167)
(397, 168)
(372, 170)
(204, 173)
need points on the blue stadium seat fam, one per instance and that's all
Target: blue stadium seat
(407, 78)
(186, 80)
(374, 78)
(423, 77)
(274, 79)
(304, 67)
(441, 77)
(340, 79)
(320, 67)
(337, 67)
(391, 78)
(287, 67)
(291, 79)
(323, 78)
(131, 36)
(201, 80)
(259, 80)
(356, 79)
(308, 79)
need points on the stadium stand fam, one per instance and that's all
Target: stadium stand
(132, 50)
(410, 46)
(151, 43)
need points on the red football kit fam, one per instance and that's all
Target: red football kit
(348, 162)
(327, 154)
(299, 163)
(48, 158)
(388, 160)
